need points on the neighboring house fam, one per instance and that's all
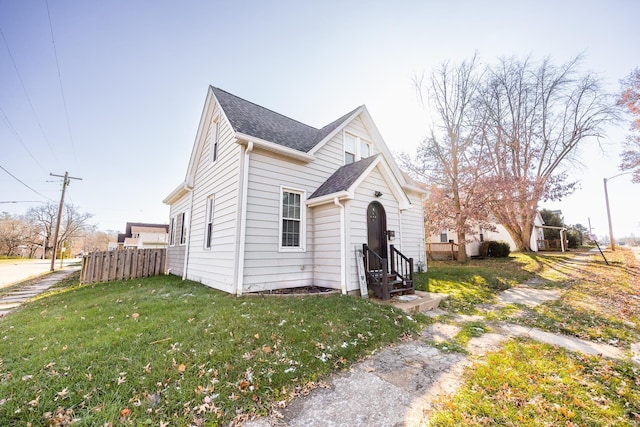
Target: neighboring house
(140, 235)
(271, 203)
(435, 241)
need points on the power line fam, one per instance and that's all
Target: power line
(20, 201)
(64, 100)
(21, 182)
(15, 67)
(18, 137)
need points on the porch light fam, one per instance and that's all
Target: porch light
(377, 194)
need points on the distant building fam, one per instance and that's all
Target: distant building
(141, 235)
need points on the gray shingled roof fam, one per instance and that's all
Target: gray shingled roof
(254, 120)
(343, 178)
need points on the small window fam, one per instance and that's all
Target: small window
(349, 149)
(355, 148)
(182, 219)
(213, 139)
(292, 215)
(365, 149)
(444, 237)
(172, 231)
(208, 238)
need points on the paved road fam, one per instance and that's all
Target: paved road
(12, 272)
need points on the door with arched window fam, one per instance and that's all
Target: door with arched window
(376, 226)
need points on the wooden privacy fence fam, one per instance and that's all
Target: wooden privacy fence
(122, 265)
(442, 251)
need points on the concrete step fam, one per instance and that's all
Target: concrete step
(418, 302)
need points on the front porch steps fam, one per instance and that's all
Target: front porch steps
(424, 301)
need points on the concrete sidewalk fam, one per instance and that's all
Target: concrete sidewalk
(399, 385)
(20, 295)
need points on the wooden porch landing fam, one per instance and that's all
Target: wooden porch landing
(425, 301)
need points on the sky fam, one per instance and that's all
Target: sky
(112, 91)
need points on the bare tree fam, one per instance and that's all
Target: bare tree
(630, 100)
(537, 118)
(44, 218)
(12, 233)
(451, 159)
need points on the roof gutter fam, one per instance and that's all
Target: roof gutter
(328, 198)
(244, 139)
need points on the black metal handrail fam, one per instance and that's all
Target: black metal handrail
(375, 263)
(401, 266)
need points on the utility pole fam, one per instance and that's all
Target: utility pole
(606, 199)
(65, 182)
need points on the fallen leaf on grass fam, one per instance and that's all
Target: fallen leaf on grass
(125, 412)
(135, 316)
(181, 368)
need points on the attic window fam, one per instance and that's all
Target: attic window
(355, 148)
(213, 139)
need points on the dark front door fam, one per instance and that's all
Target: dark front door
(376, 226)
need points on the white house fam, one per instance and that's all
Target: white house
(140, 235)
(500, 234)
(270, 203)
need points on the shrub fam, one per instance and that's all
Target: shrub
(499, 249)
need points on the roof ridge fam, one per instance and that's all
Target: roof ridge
(265, 108)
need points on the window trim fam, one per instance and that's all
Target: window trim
(358, 141)
(303, 220)
(446, 236)
(215, 139)
(183, 229)
(208, 225)
(172, 231)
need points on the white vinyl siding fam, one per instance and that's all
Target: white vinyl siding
(412, 225)
(266, 267)
(176, 252)
(215, 266)
(326, 246)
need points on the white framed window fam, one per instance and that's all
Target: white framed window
(208, 231)
(213, 138)
(172, 231)
(292, 220)
(444, 238)
(355, 148)
(182, 221)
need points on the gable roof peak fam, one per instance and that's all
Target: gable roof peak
(254, 120)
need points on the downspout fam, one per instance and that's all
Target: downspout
(343, 242)
(243, 217)
(400, 228)
(188, 243)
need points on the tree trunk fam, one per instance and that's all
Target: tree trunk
(462, 247)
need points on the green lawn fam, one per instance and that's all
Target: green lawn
(474, 282)
(532, 384)
(163, 350)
